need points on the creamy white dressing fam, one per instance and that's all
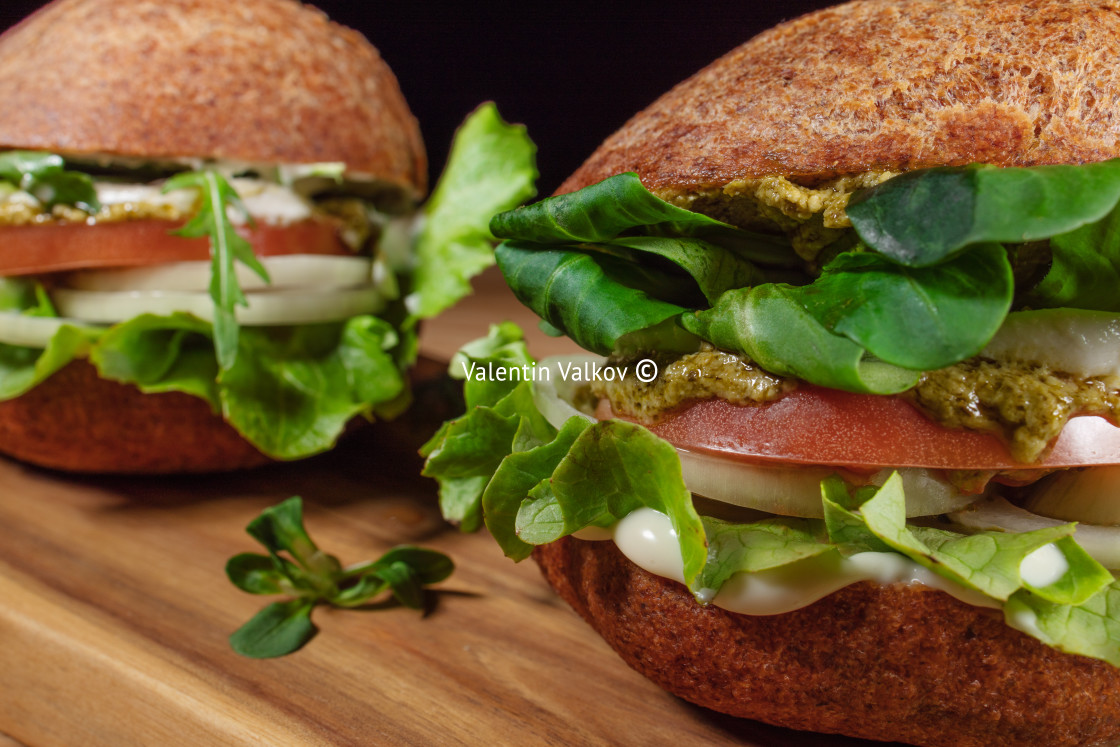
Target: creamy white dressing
(270, 203)
(646, 537)
(117, 193)
(1044, 566)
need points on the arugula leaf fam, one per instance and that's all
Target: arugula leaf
(492, 167)
(595, 299)
(314, 577)
(924, 217)
(45, 176)
(216, 199)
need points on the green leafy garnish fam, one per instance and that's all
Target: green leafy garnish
(45, 177)
(923, 280)
(924, 217)
(595, 299)
(492, 167)
(216, 199)
(295, 566)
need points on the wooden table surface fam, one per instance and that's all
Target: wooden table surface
(115, 610)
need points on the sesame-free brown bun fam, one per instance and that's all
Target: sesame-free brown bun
(79, 422)
(258, 81)
(892, 663)
(885, 85)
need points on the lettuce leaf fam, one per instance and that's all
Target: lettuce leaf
(491, 168)
(924, 217)
(290, 390)
(23, 368)
(621, 206)
(45, 176)
(768, 325)
(531, 485)
(594, 299)
(923, 280)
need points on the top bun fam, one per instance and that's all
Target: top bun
(254, 81)
(885, 85)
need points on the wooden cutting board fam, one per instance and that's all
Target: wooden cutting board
(115, 610)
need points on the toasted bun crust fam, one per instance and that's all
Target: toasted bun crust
(79, 422)
(259, 81)
(885, 85)
(849, 664)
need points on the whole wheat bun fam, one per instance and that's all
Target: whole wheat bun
(79, 422)
(885, 85)
(893, 663)
(259, 81)
(253, 81)
(873, 85)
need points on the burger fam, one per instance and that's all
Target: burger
(214, 250)
(845, 458)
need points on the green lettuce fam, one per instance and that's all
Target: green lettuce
(501, 466)
(491, 168)
(45, 176)
(23, 368)
(923, 280)
(290, 390)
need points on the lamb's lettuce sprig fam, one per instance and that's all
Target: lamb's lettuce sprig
(923, 281)
(503, 466)
(296, 567)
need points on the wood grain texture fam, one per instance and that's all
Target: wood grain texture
(114, 614)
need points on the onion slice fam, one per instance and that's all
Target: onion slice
(31, 331)
(289, 271)
(1091, 495)
(996, 513)
(264, 309)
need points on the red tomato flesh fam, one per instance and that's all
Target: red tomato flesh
(813, 425)
(34, 250)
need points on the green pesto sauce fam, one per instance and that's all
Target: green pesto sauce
(1027, 405)
(707, 374)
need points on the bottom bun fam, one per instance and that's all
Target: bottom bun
(79, 422)
(894, 663)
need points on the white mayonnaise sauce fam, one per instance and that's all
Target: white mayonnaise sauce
(647, 538)
(1044, 566)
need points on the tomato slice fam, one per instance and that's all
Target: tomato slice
(33, 250)
(813, 425)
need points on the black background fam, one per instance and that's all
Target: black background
(571, 72)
